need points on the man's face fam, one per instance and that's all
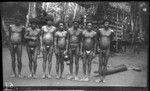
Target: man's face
(17, 21)
(61, 25)
(75, 24)
(49, 22)
(106, 24)
(89, 25)
(33, 25)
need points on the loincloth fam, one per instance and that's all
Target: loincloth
(47, 47)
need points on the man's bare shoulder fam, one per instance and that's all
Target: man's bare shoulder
(28, 29)
(80, 30)
(54, 27)
(43, 27)
(101, 29)
(70, 29)
(94, 32)
(38, 29)
(12, 25)
(84, 31)
(110, 29)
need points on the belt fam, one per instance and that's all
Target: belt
(88, 52)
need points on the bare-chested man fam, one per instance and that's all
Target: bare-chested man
(32, 36)
(74, 48)
(47, 45)
(15, 46)
(104, 35)
(61, 47)
(89, 49)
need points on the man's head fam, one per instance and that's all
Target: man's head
(33, 22)
(61, 25)
(89, 25)
(106, 23)
(75, 24)
(49, 20)
(17, 21)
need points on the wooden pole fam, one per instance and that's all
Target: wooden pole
(75, 11)
(117, 34)
(28, 15)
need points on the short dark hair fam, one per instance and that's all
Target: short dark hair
(33, 20)
(60, 21)
(75, 21)
(89, 22)
(49, 18)
(106, 21)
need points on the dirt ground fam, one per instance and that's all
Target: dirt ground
(126, 78)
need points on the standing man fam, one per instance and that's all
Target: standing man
(15, 37)
(61, 47)
(74, 48)
(32, 36)
(89, 49)
(47, 45)
(104, 38)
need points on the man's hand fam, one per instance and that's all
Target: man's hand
(56, 50)
(65, 52)
(34, 38)
(94, 54)
(42, 48)
(81, 53)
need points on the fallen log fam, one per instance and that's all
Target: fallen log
(116, 69)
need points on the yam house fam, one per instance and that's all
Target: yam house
(125, 17)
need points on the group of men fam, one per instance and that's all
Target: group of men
(73, 42)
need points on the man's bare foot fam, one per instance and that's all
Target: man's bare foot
(49, 76)
(20, 76)
(57, 77)
(43, 76)
(61, 77)
(70, 77)
(34, 76)
(30, 75)
(101, 79)
(76, 78)
(14, 75)
(85, 79)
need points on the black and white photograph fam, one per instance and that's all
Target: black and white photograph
(75, 44)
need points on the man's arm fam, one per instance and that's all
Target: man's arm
(26, 36)
(67, 41)
(5, 28)
(23, 32)
(95, 42)
(9, 32)
(41, 37)
(54, 37)
(81, 42)
(55, 41)
(112, 35)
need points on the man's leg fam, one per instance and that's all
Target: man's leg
(50, 54)
(84, 63)
(62, 67)
(100, 66)
(13, 63)
(44, 61)
(57, 64)
(71, 65)
(35, 61)
(90, 63)
(29, 52)
(77, 62)
(105, 61)
(19, 56)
